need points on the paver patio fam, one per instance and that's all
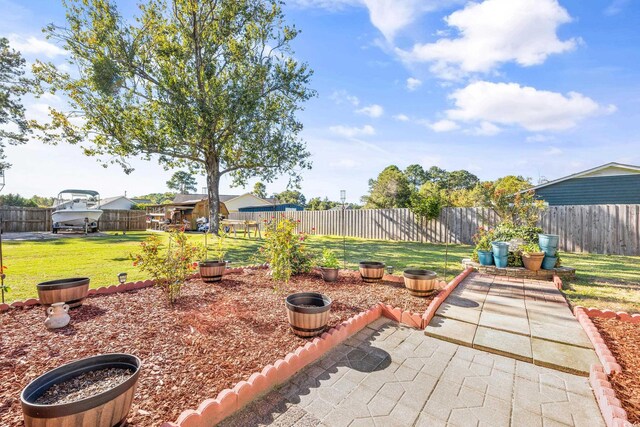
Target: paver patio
(390, 375)
(528, 320)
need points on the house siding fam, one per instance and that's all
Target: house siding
(272, 208)
(620, 189)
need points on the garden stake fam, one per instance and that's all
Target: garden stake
(1, 264)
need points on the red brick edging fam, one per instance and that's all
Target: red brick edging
(609, 404)
(228, 401)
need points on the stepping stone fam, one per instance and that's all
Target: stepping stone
(509, 323)
(503, 343)
(459, 308)
(451, 330)
(563, 357)
(566, 333)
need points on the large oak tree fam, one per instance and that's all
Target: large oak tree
(210, 85)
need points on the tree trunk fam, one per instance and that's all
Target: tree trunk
(213, 192)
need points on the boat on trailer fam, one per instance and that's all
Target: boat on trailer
(76, 210)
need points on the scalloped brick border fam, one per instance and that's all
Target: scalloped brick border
(228, 401)
(610, 406)
(125, 287)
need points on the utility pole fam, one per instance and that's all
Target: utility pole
(343, 198)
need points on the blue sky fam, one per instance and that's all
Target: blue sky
(540, 88)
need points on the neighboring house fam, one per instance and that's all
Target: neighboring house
(117, 202)
(233, 203)
(282, 207)
(613, 183)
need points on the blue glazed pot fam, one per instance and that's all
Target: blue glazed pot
(549, 262)
(500, 249)
(501, 261)
(549, 241)
(485, 257)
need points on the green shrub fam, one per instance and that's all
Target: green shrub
(169, 267)
(329, 259)
(505, 232)
(482, 239)
(285, 250)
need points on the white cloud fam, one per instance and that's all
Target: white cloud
(486, 129)
(373, 110)
(35, 46)
(616, 7)
(353, 131)
(512, 104)
(538, 138)
(442, 125)
(413, 83)
(343, 97)
(401, 117)
(344, 163)
(553, 151)
(494, 32)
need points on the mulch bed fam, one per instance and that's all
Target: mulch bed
(215, 336)
(623, 339)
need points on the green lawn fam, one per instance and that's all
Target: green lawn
(603, 281)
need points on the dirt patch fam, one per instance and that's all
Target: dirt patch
(83, 386)
(623, 339)
(216, 335)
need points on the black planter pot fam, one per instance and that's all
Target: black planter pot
(329, 274)
(308, 313)
(106, 409)
(70, 291)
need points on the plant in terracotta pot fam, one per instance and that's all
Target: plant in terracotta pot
(212, 268)
(483, 250)
(532, 256)
(329, 265)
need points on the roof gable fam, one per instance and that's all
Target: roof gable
(609, 169)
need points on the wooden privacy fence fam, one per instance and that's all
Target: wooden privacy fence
(604, 229)
(17, 219)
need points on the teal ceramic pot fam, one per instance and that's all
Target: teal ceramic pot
(501, 261)
(500, 249)
(485, 257)
(549, 262)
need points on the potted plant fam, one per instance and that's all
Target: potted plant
(420, 283)
(483, 249)
(212, 269)
(95, 391)
(532, 256)
(329, 265)
(308, 313)
(70, 291)
(371, 271)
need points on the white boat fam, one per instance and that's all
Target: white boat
(77, 209)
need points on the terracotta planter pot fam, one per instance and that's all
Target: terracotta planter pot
(533, 261)
(308, 313)
(70, 291)
(420, 283)
(329, 274)
(211, 270)
(106, 409)
(371, 271)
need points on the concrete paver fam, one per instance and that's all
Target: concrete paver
(436, 383)
(528, 320)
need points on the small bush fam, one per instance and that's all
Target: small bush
(285, 250)
(169, 268)
(329, 259)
